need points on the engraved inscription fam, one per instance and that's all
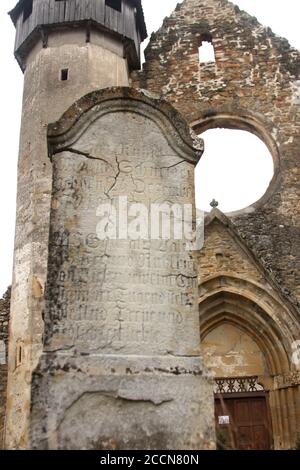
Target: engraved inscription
(138, 296)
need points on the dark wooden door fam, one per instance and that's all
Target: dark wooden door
(243, 423)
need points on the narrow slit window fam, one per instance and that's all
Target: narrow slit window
(19, 355)
(27, 10)
(114, 4)
(206, 53)
(64, 75)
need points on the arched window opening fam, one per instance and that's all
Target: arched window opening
(234, 172)
(206, 53)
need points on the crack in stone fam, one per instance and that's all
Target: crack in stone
(163, 167)
(115, 179)
(114, 394)
(91, 157)
(171, 166)
(154, 402)
(84, 154)
(61, 348)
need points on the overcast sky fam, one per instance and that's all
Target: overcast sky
(222, 158)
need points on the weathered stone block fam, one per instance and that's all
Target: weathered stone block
(121, 402)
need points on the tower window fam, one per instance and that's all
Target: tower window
(206, 49)
(64, 75)
(206, 53)
(27, 10)
(114, 4)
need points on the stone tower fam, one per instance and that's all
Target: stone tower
(66, 48)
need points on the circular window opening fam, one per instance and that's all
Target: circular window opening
(235, 170)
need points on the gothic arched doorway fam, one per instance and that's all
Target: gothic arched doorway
(246, 339)
(242, 410)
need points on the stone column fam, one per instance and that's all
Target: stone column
(121, 367)
(91, 66)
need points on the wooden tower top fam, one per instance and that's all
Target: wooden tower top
(34, 19)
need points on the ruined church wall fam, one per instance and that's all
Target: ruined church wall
(254, 85)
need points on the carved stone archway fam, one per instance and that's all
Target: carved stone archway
(256, 124)
(229, 300)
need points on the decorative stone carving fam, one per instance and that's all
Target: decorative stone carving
(289, 380)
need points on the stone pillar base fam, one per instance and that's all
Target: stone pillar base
(121, 403)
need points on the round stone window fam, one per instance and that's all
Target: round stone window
(235, 170)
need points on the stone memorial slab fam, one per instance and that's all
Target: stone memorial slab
(122, 365)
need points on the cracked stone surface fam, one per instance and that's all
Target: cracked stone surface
(121, 364)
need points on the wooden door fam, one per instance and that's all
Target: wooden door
(243, 423)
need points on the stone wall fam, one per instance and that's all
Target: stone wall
(248, 328)
(4, 318)
(254, 85)
(229, 352)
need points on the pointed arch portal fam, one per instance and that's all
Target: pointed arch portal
(230, 304)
